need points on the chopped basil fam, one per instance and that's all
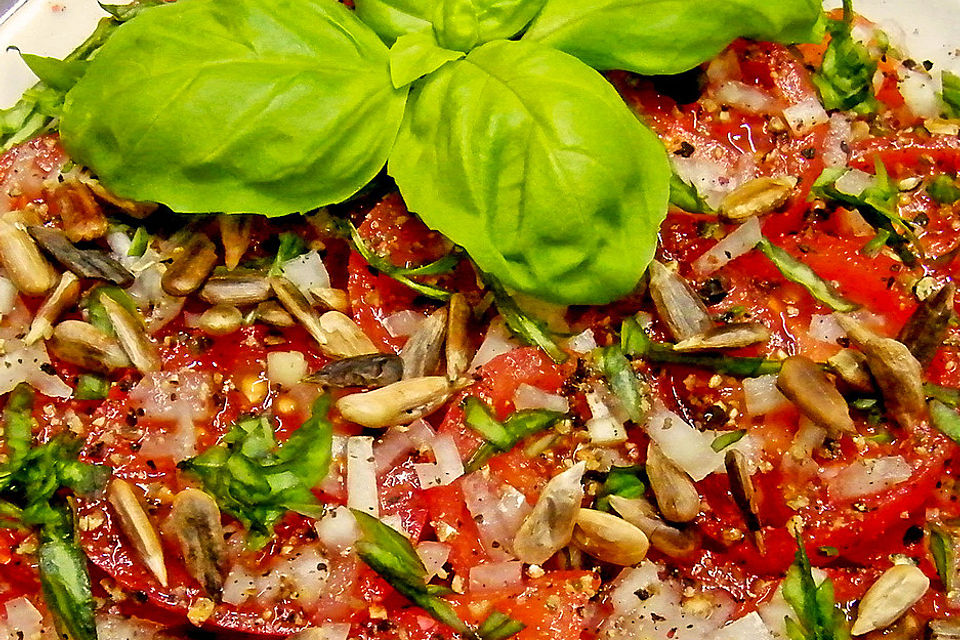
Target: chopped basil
(256, 481)
(635, 342)
(291, 246)
(139, 243)
(502, 437)
(944, 189)
(845, 78)
(951, 93)
(796, 271)
(817, 616)
(623, 381)
(724, 440)
(446, 264)
(685, 196)
(528, 329)
(90, 386)
(946, 419)
(499, 626)
(391, 555)
(943, 550)
(93, 308)
(946, 395)
(625, 482)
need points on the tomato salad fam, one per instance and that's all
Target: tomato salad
(336, 426)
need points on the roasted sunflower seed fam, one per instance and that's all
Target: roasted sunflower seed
(26, 267)
(86, 263)
(84, 345)
(371, 370)
(609, 538)
(196, 519)
(192, 263)
(137, 527)
(399, 403)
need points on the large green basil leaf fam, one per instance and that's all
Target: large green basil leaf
(415, 55)
(531, 161)
(669, 36)
(266, 106)
(453, 20)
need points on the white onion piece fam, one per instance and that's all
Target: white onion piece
(403, 323)
(709, 178)
(338, 530)
(687, 447)
(761, 395)
(362, 493)
(606, 426)
(26, 364)
(449, 463)
(333, 631)
(24, 618)
(497, 342)
(867, 476)
(8, 296)
(749, 626)
(854, 182)
(804, 116)
(744, 97)
(855, 222)
(237, 586)
(421, 433)
(499, 510)
(825, 328)
(492, 576)
(307, 272)
(433, 555)
(111, 627)
(921, 94)
(742, 240)
(306, 571)
(530, 397)
(172, 396)
(838, 135)
(393, 447)
(286, 368)
(583, 342)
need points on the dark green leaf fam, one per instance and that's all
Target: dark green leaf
(66, 588)
(635, 342)
(291, 246)
(528, 329)
(623, 381)
(499, 626)
(668, 36)
(724, 440)
(91, 387)
(415, 55)
(951, 93)
(845, 77)
(796, 271)
(18, 423)
(625, 482)
(269, 106)
(943, 189)
(685, 196)
(943, 550)
(403, 274)
(946, 419)
(531, 161)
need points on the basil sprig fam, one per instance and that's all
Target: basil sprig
(256, 481)
(516, 150)
(817, 616)
(845, 77)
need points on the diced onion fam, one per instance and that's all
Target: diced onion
(338, 530)
(743, 239)
(27, 364)
(606, 426)
(495, 575)
(448, 458)
(825, 328)
(855, 222)
(286, 368)
(711, 180)
(762, 396)
(530, 397)
(421, 433)
(392, 448)
(23, 617)
(497, 342)
(867, 476)
(749, 626)
(111, 627)
(583, 342)
(307, 272)
(362, 493)
(403, 323)
(333, 631)
(804, 116)
(173, 396)
(838, 135)
(499, 510)
(854, 182)
(433, 555)
(8, 296)
(687, 447)
(744, 97)
(920, 93)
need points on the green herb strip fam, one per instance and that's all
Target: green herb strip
(446, 264)
(623, 381)
(725, 440)
(528, 329)
(796, 271)
(845, 77)
(817, 616)
(502, 437)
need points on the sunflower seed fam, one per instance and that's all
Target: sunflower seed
(270, 312)
(371, 370)
(26, 267)
(192, 263)
(744, 494)
(609, 538)
(421, 353)
(236, 289)
(399, 403)
(665, 538)
(459, 349)
(925, 330)
(132, 336)
(330, 298)
(805, 384)
(84, 345)
(136, 525)
(899, 588)
(678, 305)
(344, 337)
(757, 197)
(674, 490)
(86, 263)
(196, 519)
(220, 320)
(60, 299)
(851, 366)
(235, 235)
(549, 526)
(728, 336)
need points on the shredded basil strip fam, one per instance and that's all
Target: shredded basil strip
(946, 419)
(943, 550)
(796, 271)
(943, 189)
(528, 329)
(446, 264)
(817, 616)
(394, 559)
(725, 440)
(256, 481)
(845, 78)
(93, 309)
(684, 195)
(625, 482)
(502, 437)
(139, 243)
(291, 246)
(635, 342)
(623, 381)
(951, 93)
(946, 395)
(91, 386)
(499, 626)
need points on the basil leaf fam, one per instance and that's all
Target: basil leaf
(291, 246)
(60, 75)
(463, 23)
(270, 106)
(845, 77)
(402, 274)
(685, 196)
(478, 418)
(499, 626)
(800, 273)
(621, 481)
(668, 36)
(623, 381)
(635, 342)
(946, 395)
(532, 162)
(139, 243)
(943, 549)
(91, 387)
(528, 329)
(415, 55)
(946, 419)
(391, 555)
(502, 437)
(725, 440)
(66, 588)
(951, 93)
(817, 616)
(93, 309)
(943, 189)
(256, 482)
(18, 423)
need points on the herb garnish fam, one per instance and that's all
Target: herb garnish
(943, 189)
(256, 481)
(291, 246)
(625, 482)
(951, 93)
(623, 381)
(446, 264)
(945, 418)
(727, 439)
(817, 616)
(502, 436)
(528, 329)
(845, 78)
(800, 273)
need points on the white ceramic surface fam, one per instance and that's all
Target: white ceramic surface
(930, 30)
